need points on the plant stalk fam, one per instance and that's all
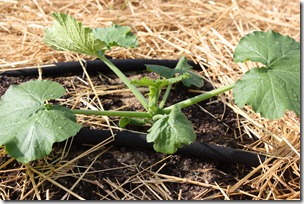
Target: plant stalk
(113, 113)
(201, 97)
(165, 97)
(126, 81)
(153, 99)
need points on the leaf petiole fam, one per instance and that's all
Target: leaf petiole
(165, 97)
(126, 81)
(201, 97)
(182, 104)
(113, 113)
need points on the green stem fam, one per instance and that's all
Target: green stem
(165, 97)
(113, 113)
(153, 99)
(126, 81)
(201, 97)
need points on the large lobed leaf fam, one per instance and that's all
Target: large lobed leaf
(70, 35)
(28, 126)
(171, 132)
(275, 88)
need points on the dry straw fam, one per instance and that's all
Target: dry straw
(206, 32)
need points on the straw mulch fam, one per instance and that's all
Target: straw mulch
(204, 31)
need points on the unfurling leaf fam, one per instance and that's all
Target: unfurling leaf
(171, 132)
(29, 127)
(275, 88)
(181, 68)
(155, 87)
(159, 83)
(124, 121)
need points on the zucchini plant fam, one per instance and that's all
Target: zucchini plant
(30, 123)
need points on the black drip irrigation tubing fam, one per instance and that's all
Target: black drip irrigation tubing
(124, 65)
(201, 150)
(134, 139)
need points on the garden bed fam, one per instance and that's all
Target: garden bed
(206, 32)
(212, 121)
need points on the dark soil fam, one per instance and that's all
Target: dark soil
(213, 122)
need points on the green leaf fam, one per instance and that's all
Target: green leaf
(69, 35)
(145, 81)
(116, 35)
(275, 88)
(29, 127)
(171, 132)
(183, 64)
(181, 68)
(159, 83)
(265, 47)
(155, 87)
(124, 121)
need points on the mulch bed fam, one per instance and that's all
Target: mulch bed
(204, 31)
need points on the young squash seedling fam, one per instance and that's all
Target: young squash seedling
(30, 124)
